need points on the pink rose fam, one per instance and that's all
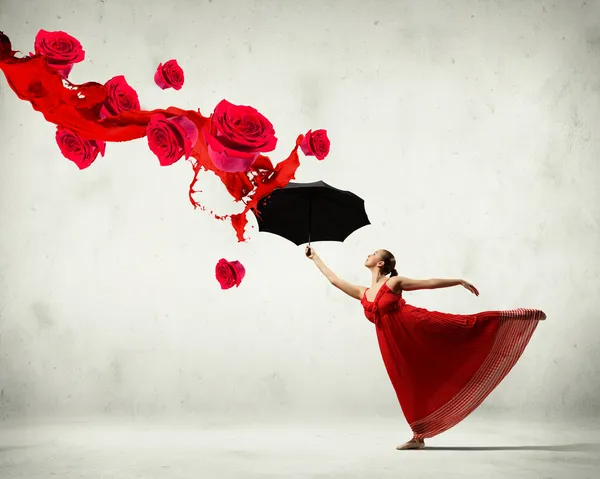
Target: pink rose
(119, 97)
(316, 143)
(171, 138)
(236, 135)
(80, 151)
(169, 75)
(61, 50)
(229, 273)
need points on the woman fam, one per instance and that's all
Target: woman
(442, 366)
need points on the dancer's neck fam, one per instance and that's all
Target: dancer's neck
(377, 278)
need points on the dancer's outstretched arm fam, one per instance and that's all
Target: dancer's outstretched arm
(350, 289)
(400, 283)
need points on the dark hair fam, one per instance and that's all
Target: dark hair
(389, 263)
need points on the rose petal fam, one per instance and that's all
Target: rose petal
(189, 133)
(239, 270)
(101, 145)
(64, 72)
(231, 164)
(159, 78)
(305, 145)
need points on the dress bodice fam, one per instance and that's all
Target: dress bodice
(385, 303)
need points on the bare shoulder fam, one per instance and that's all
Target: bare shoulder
(395, 284)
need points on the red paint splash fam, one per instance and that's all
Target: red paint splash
(77, 108)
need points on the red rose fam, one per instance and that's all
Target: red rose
(169, 75)
(60, 49)
(236, 135)
(229, 273)
(120, 97)
(80, 151)
(316, 143)
(171, 138)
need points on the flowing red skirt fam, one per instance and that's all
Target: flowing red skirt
(442, 366)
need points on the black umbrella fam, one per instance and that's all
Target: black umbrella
(305, 212)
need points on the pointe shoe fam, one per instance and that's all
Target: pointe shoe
(412, 444)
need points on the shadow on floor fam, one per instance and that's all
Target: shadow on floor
(583, 447)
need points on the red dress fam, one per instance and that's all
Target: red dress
(442, 366)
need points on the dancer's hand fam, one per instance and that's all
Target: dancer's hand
(469, 286)
(312, 253)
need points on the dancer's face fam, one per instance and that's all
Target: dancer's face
(374, 259)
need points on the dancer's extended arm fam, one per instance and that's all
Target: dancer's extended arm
(400, 283)
(350, 289)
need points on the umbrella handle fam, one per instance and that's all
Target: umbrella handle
(309, 251)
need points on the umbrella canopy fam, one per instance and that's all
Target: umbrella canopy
(305, 212)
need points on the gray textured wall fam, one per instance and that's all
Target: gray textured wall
(470, 128)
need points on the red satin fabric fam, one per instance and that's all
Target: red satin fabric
(442, 366)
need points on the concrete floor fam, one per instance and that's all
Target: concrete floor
(141, 449)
